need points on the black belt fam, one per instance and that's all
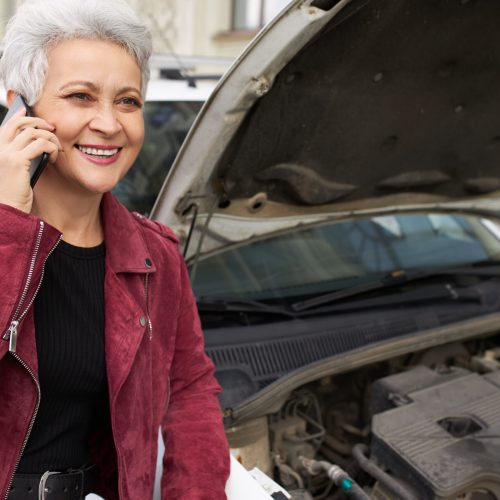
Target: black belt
(72, 484)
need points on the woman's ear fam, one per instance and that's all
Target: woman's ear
(11, 95)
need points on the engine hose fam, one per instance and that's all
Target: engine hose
(337, 475)
(357, 493)
(359, 453)
(286, 469)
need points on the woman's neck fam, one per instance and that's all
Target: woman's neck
(75, 214)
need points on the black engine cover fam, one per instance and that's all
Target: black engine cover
(444, 439)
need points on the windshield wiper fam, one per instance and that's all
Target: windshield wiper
(401, 277)
(422, 295)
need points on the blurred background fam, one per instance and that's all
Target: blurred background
(205, 29)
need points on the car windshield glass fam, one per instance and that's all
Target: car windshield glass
(340, 255)
(166, 125)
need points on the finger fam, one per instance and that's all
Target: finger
(30, 134)
(7, 126)
(17, 124)
(33, 121)
(21, 112)
(40, 146)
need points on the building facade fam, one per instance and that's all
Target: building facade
(219, 28)
(215, 28)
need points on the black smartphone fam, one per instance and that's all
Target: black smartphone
(38, 163)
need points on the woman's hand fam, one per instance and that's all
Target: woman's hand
(22, 139)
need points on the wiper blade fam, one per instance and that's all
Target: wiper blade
(220, 304)
(427, 294)
(400, 277)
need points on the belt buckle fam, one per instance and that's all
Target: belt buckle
(42, 485)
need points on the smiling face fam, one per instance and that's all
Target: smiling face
(92, 95)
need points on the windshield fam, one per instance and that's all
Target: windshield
(166, 125)
(340, 255)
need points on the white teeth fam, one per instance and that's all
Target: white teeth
(98, 152)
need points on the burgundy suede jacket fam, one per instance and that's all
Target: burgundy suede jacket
(158, 374)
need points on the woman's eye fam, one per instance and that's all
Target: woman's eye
(79, 96)
(131, 102)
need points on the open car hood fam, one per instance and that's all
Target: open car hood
(339, 108)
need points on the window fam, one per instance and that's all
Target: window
(253, 14)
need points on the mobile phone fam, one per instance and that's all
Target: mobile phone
(38, 163)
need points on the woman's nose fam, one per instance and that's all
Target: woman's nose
(106, 121)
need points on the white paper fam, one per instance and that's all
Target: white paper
(267, 483)
(242, 486)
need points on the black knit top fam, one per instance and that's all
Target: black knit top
(69, 326)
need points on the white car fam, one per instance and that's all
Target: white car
(338, 201)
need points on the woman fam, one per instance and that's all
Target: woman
(101, 343)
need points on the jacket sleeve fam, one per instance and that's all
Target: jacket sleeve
(196, 460)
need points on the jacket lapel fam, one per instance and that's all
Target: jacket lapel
(126, 248)
(128, 260)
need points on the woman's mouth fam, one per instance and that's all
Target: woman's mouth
(101, 155)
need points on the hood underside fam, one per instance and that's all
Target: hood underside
(389, 97)
(349, 105)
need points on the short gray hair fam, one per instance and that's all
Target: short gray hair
(40, 24)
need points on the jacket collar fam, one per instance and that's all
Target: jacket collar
(126, 247)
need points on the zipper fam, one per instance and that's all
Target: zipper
(146, 292)
(30, 428)
(12, 335)
(112, 405)
(12, 331)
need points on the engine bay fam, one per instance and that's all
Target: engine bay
(425, 426)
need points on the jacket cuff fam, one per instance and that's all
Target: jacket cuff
(15, 211)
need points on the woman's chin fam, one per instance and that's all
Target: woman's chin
(98, 187)
(96, 184)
